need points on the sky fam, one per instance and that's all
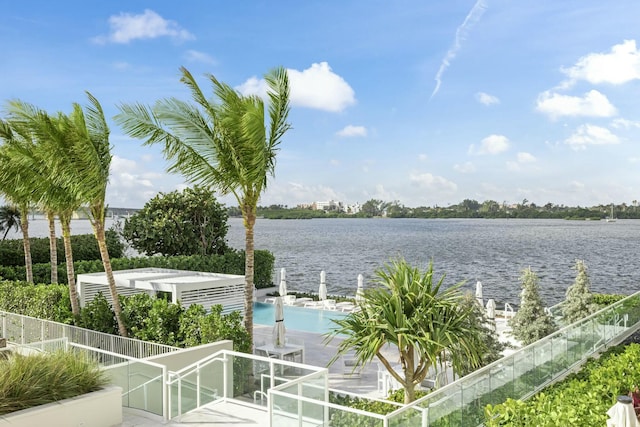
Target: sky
(422, 102)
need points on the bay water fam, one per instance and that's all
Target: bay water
(493, 251)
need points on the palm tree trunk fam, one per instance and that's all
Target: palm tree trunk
(24, 225)
(53, 248)
(65, 220)
(249, 222)
(106, 262)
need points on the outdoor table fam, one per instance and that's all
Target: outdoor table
(290, 352)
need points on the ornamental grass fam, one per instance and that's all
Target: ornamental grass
(37, 379)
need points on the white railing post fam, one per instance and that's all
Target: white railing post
(198, 386)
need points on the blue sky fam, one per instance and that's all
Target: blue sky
(424, 102)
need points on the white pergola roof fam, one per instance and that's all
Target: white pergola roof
(188, 287)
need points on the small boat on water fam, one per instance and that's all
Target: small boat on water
(611, 218)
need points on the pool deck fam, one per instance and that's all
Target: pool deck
(317, 352)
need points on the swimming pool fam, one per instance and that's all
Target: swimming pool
(297, 318)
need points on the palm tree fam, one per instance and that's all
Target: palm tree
(78, 158)
(53, 197)
(411, 312)
(9, 218)
(224, 146)
(14, 189)
(86, 153)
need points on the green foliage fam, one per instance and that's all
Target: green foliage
(531, 322)
(582, 399)
(494, 347)
(37, 379)
(9, 220)
(604, 300)
(578, 303)
(98, 316)
(49, 302)
(410, 311)
(231, 262)
(190, 222)
(84, 246)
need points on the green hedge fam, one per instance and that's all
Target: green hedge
(146, 318)
(43, 301)
(84, 246)
(581, 400)
(231, 262)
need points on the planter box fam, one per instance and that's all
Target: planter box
(102, 408)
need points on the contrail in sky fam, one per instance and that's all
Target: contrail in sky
(472, 17)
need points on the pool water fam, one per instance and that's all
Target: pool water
(297, 318)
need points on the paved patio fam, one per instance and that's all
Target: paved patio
(317, 352)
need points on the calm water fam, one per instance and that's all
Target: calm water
(298, 318)
(492, 251)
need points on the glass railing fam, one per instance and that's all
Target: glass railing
(529, 369)
(142, 382)
(231, 375)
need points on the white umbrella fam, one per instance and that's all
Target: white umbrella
(322, 291)
(491, 309)
(479, 293)
(360, 290)
(622, 414)
(283, 283)
(279, 329)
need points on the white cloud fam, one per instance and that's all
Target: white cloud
(472, 17)
(466, 167)
(320, 88)
(126, 188)
(625, 124)
(593, 104)
(351, 130)
(432, 182)
(197, 56)
(486, 99)
(148, 25)
(423, 157)
(335, 162)
(524, 157)
(620, 66)
(316, 87)
(492, 144)
(591, 135)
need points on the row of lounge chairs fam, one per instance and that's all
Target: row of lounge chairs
(327, 304)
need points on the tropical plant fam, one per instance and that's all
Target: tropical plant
(531, 322)
(578, 303)
(39, 378)
(9, 218)
(412, 312)
(82, 159)
(188, 222)
(224, 145)
(12, 186)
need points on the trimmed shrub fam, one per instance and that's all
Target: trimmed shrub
(84, 246)
(49, 302)
(231, 262)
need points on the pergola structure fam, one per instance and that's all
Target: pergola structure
(187, 287)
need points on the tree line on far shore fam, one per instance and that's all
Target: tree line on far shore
(468, 208)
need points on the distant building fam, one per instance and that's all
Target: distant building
(353, 209)
(331, 205)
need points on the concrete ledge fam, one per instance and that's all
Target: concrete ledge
(102, 408)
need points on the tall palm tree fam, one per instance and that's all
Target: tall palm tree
(87, 160)
(53, 197)
(14, 188)
(9, 218)
(226, 145)
(412, 312)
(78, 156)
